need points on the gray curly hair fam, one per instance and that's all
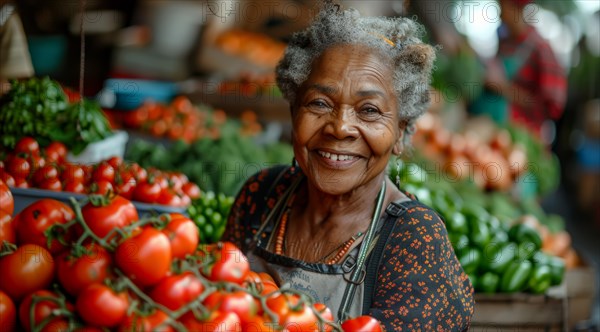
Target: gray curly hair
(411, 60)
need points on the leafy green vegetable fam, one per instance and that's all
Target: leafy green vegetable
(39, 107)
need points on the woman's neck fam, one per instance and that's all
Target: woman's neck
(320, 209)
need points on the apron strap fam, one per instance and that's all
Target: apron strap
(358, 274)
(394, 211)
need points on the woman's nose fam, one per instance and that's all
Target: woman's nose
(342, 124)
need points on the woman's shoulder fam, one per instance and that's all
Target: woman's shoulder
(415, 219)
(266, 180)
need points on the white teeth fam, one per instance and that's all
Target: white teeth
(335, 157)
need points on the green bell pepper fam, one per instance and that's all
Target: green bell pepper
(526, 251)
(459, 242)
(540, 279)
(524, 233)
(497, 259)
(479, 233)
(557, 268)
(515, 278)
(470, 260)
(488, 283)
(457, 223)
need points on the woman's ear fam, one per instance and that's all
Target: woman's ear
(399, 144)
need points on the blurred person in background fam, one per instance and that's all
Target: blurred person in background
(524, 83)
(15, 61)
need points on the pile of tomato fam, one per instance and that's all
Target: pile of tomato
(94, 265)
(28, 165)
(182, 120)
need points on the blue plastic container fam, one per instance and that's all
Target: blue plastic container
(131, 93)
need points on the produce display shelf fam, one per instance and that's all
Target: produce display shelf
(23, 197)
(522, 311)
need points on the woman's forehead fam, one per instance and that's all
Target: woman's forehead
(341, 61)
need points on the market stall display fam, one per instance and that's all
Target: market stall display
(221, 165)
(170, 282)
(500, 247)
(29, 166)
(494, 158)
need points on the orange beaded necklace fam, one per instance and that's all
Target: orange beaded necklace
(342, 249)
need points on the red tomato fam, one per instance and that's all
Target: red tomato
(281, 302)
(178, 290)
(301, 319)
(47, 172)
(162, 180)
(72, 172)
(7, 203)
(125, 184)
(51, 184)
(216, 322)
(36, 161)
(268, 287)
(191, 189)
(102, 218)
(116, 162)
(56, 152)
(146, 257)
(88, 170)
(240, 302)
(326, 314)
(185, 200)
(230, 264)
(176, 181)
(33, 221)
(57, 325)
(362, 324)
(42, 310)
(101, 187)
(147, 192)
(18, 167)
(169, 197)
(8, 179)
(8, 313)
(76, 273)
(27, 145)
(21, 183)
(139, 173)
(74, 186)
(258, 324)
(26, 270)
(183, 235)
(156, 321)
(137, 117)
(7, 231)
(182, 104)
(99, 305)
(104, 171)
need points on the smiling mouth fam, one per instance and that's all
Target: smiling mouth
(336, 157)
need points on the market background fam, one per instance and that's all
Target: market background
(187, 47)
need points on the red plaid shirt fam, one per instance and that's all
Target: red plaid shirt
(541, 76)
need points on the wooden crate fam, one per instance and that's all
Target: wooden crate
(521, 312)
(582, 288)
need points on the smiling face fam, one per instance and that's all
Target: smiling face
(345, 120)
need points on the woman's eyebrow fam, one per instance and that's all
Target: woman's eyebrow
(367, 93)
(324, 89)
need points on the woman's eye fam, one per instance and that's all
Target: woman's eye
(370, 112)
(318, 104)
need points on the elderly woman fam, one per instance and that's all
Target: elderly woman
(332, 224)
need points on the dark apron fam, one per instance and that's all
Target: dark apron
(324, 283)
